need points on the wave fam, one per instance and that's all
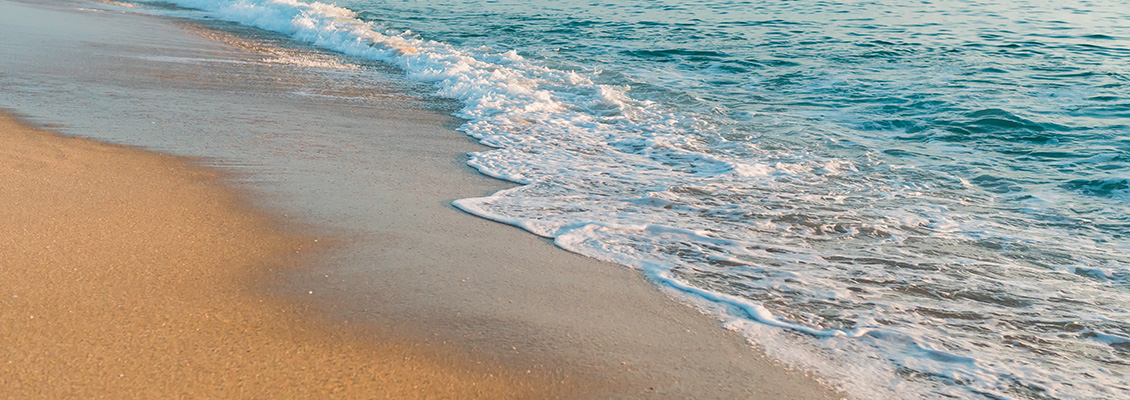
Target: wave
(824, 248)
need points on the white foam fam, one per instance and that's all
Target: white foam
(117, 3)
(309, 61)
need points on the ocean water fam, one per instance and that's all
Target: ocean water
(911, 199)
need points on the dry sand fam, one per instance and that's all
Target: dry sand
(131, 274)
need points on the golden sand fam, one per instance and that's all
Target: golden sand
(131, 274)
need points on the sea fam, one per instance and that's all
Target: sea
(910, 199)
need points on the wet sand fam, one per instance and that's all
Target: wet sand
(376, 172)
(131, 274)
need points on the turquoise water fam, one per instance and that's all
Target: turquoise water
(914, 200)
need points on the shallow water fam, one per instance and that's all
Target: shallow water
(914, 200)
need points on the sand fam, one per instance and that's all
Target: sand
(131, 274)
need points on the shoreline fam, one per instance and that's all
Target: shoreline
(409, 267)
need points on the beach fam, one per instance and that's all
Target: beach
(306, 247)
(131, 274)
